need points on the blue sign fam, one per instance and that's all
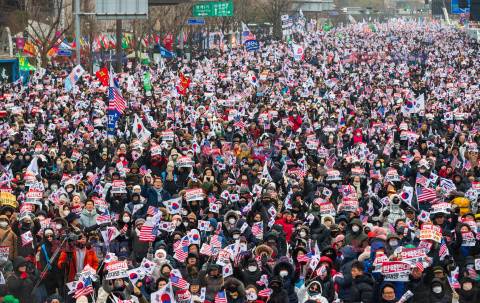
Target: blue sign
(293, 16)
(251, 45)
(64, 52)
(196, 21)
(457, 10)
(334, 13)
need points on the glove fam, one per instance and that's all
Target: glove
(150, 250)
(386, 213)
(24, 275)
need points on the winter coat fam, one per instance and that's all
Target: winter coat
(359, 239)
(344, 283)
(288, 281)
(90, 259)
(240, 289)
(10, 241)
(20, 288)
(248, 234)
(278, 296)
(87, 219)
(152, 199)
(362, 289)
(212, 285)
(441, 297)
(420, 287)
(304, 295)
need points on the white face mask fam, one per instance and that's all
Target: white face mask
(126, 219)
(66, 212)
(393, 243)
(437, 289)
(422, 171)
(303, 234)
(3, 224)
(283, 273)
(236, 236)
(356, 228)
(252, 268)
(41, 217)
(69, 190)
(58, 226)
(231, 221)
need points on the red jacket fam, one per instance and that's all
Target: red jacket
(90, 259)
(287, 227)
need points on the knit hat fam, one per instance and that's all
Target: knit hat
(380, 232)
(192, 216)
(339, 238)
(139, 221)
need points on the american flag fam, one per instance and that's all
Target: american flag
(103, 218)
(83, 288)
(178, 281)
(221, 297)
(257, 228)
(419, 265)
(467, 165)
(147, 232)
(443, 252)
(27, 238)
(89, 126)
(331, 161)
(303, 258)
(116, 101)
(425, 194)
(181, 243)
(454, 283)
(422, 180)
(265, 292)
(206, 250)
(391, 228)
(93, 179)
(152, 210)
(374, 174)
(239, 123)
(216, 241)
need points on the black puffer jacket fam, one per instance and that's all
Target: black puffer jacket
(420, 287)
(467, 296)
(20, 288)
(362, 289)
(441, 297)
(278, 296)
(320, 233)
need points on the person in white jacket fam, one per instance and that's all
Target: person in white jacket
(312, 292)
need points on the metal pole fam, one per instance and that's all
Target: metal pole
(119, 45)
(77, 29)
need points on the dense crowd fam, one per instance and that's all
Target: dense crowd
(348, 175)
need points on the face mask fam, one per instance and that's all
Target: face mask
(41, 217)
(66, 213)
(122, 158)
(422, 171)
(393, 243)
(355, 229)
(377, 165)
(118, 284)
(374, 218)
(303, 234)
(236, 236)
(252, 268)
(437, 289)
(334, 185)
(283, 273)
(69, 190)
(126, 219)
(3, 224)
(58, 226)
(53, 187)
(310, 179)
(185, 224)
(231, 221)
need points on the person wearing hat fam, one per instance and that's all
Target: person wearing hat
(356, 237)
(211, 278)
(8, 237)
(235, 290)
(22, 281)
(279, 295)
(134, 175)
(393, 241)
(26, 223)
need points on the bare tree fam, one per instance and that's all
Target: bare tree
(45, 24)
(273, 9)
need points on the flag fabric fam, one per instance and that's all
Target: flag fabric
(147, 232)
(116, 101)
(27, 238)
(221, 297)
(443, 252)
(178, 281)
(257, 228)
(140, 131)
(425, 194)
(239, 123)
(422, 180)
(216, 241)
(303, 258)
(184, 83)
(103, 76)
(420, 267)
(103, 218)
(147, 82)
(83, 288)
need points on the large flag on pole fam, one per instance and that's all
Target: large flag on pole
(116, 104)
(249, 39)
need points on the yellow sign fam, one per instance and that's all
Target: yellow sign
(8, 199)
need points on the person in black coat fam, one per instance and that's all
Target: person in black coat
(419, 284)
(22, 281)
(285, 270)
(279, 295)
(53, 278)
(469, 291)
(362, 285)
(251, 274)
(437, 292)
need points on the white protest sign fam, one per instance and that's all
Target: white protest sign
(396, 271)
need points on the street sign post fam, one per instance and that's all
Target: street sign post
(213, 9)
(196, 21)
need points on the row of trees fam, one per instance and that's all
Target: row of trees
(47, 21)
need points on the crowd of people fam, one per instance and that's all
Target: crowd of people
(348, 175)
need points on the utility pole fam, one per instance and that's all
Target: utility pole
(119, 49)
(77, 29)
